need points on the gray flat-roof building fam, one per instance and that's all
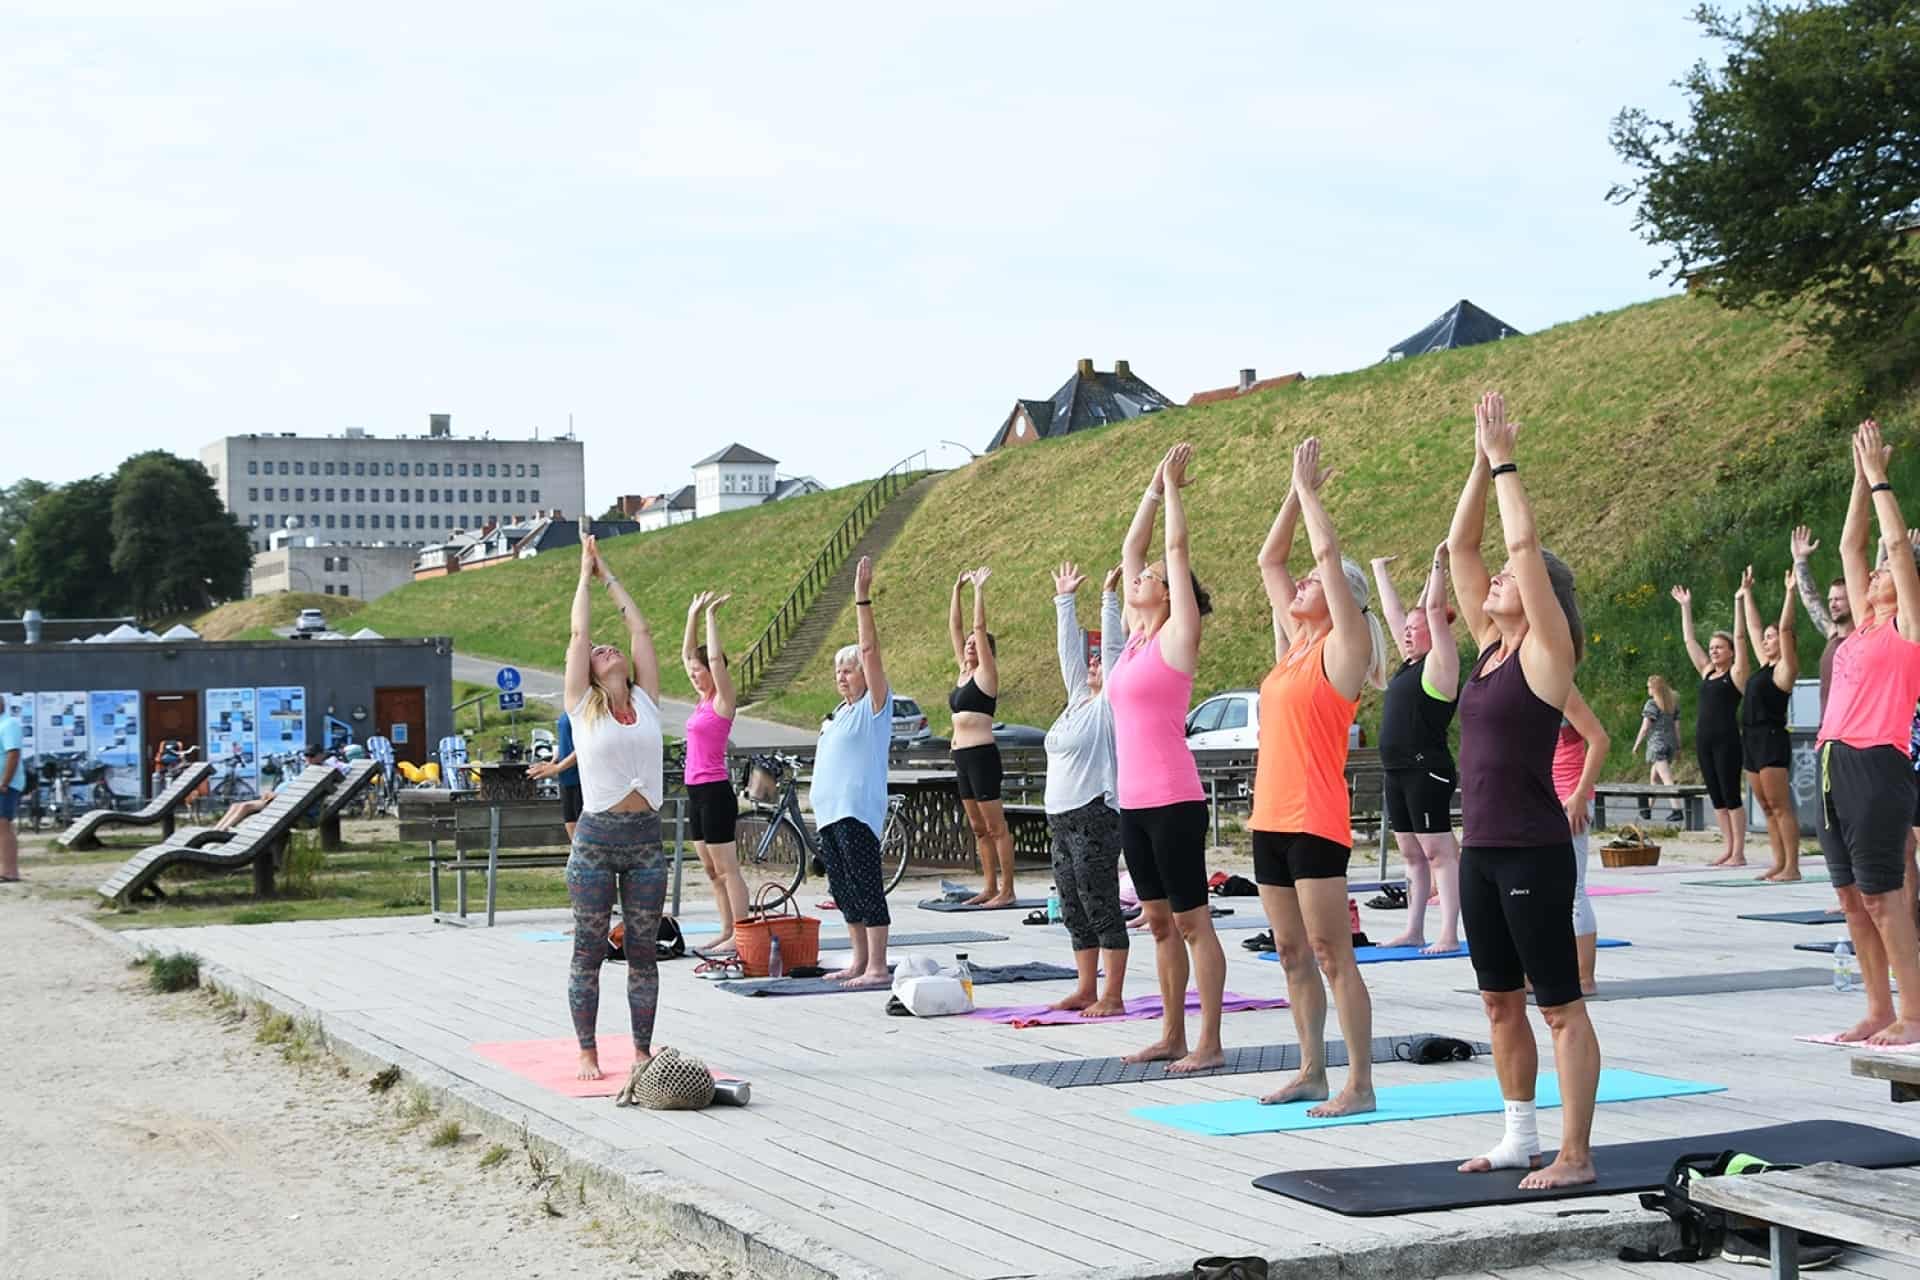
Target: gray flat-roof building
(358, 489)
(306, 563)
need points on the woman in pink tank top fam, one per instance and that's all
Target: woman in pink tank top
(711, 804)
(1163, 810)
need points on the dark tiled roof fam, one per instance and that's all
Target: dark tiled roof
(1234, 392)
(1461, 325)
(735, 452)
(683, 500)
(1089, 398)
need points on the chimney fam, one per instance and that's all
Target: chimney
(1246, 380)
(439, 425)
(1086, 368)
(1121, 369)
(31, 622)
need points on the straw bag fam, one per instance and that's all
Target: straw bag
(672, 1081)
(753, 937)
(761, 779)
(1630, 848)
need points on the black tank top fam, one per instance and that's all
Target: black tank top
(1507, 739)
(1765, 706)
(1413, 723)
(1719, 709)
(967, 697)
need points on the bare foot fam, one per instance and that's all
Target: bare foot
(1078, 1000)
(1159, 1051)
(1895, 1032)
(863, 981)
(1740, 861)
(1444, 946)
(1720, 861)
(1351, 1102)
(1411, 938)
(1198, 1060)
(1561, 1173)
(1000, 900)
(719, 947)
(1302, 1088)
(1589, 988)
(979, 897)
(589, 1065)
(841, 975)
(1867, 1026)
(1786, 877)
(1109, 1007)
(1480, 1164)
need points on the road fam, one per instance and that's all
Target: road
(544, 687)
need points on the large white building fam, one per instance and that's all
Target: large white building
(357, 489)
(733, 478)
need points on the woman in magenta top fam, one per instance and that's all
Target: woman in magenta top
(1163, 810)
(1866, 771)
(711, 805)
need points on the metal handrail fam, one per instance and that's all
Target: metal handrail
(832, 555)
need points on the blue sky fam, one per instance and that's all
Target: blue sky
(835, 232)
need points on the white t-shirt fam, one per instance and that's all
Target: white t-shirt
(615, 759)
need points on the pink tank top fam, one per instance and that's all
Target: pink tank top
(1149, 700)
(1876, 679)
(707, 744)
(1569, 761)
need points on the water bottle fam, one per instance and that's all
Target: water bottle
(776, 966)
(1846, 975)
(1053, 904)
(964, 972)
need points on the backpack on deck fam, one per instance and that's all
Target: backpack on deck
(1705, 1229)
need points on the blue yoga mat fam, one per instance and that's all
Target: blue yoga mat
(1406, 1102)
(1382, 955)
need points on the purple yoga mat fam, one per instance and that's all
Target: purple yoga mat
(1038, 1015)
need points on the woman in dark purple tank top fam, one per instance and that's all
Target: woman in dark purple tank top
(1517, 867)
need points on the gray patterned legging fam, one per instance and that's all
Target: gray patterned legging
(615, 850)
(1086, 870)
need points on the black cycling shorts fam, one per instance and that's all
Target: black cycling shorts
(1166, 851)
(1765, 748)
(572, 802)
(1420, 801)
(1868, 796)
(979, 769)
(1517, 906)
(1282, 857)
(1720, 768)
(711, 811)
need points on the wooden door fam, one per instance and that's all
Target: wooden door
(168, 714)
(400, 713)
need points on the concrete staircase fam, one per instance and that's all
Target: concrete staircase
(814, 628)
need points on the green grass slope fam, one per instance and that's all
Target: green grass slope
(519, 612)
(1668, 441)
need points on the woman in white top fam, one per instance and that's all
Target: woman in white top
(613, 699)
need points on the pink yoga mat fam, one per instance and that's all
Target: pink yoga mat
(1614, 890)
(1038, 1015)
(551, 1063)
(1833, 1038)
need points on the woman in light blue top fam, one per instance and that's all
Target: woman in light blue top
(1082, 810)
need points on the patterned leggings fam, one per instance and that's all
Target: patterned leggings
(1086, 870)
(615, 851)
(852, 854)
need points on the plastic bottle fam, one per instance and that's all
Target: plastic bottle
(776, 966)
(964, 972)
(1053, 904)
(1846, 975)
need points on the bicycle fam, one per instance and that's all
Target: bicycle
(787, 850)
(233, 784)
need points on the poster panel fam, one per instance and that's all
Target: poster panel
(113, 725)
(230, 734)
(21, 704)
(60, 726)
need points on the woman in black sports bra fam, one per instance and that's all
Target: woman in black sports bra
(976, 756)
(1765, 750)
(1716, 734)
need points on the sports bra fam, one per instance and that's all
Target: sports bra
(968, 697)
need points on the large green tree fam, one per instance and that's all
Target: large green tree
(174, 545)
(62, 558)
(1795, 180)
(16, 504)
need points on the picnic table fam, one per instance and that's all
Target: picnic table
(1878, 1208)
(1900, 1071)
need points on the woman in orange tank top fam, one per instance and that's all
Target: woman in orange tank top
(1328, 644)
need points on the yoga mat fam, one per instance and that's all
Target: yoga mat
(551, 1063)
(1077, 1073)
(1138, 1007)
(1799, 917)
(1371, 1191)
(1384, 955)
(918, 939)
(983, 975)
(1818, 877)
(566, 935)
(1710, 984)
(1683, 868)
(1614, 890)
(1018, 904)
(1833, 1038)
(1827, 947)
(1406, 1102)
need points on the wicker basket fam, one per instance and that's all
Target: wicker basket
(1630, 848)
(753, 937)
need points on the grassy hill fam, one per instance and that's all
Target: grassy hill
(1670, 441)
(255, 617)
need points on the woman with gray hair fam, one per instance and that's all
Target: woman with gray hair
(1716, 733)
(1327, 646)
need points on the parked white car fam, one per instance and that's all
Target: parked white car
(310, 620)
(909, 721)
(1230, 719)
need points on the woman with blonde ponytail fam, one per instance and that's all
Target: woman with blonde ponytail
(1327, 645)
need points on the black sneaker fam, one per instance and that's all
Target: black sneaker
(1753, 1249)
(1258, 942)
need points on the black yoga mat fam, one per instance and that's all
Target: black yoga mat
(1799, 917)
(918, 939)
(1018, 904)
(1076, 1073)
(983, 974)
(1377, 1190)
(1827, 947)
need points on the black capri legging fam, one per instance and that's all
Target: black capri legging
(1517, 906)
(1720, 766)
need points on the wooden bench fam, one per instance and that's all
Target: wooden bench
(480, 835)
(1618, 802)
(1878, 1208)
(1900, 1071)
(85, 831)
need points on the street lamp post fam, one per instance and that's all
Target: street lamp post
(971, 455)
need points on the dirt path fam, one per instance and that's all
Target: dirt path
(150, 1136)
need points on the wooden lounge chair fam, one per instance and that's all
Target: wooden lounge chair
(257, 840)
(85, 831)
(358, 777)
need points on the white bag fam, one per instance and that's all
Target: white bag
(933, 995)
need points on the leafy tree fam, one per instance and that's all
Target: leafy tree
(16, 504)
(62, 558)
(611, 513)
(1795, 180)
(174, 545)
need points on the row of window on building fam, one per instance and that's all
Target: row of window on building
(299, 494)
(254, 468)
(416, 520)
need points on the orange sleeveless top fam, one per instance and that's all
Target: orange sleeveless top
(1300, 783)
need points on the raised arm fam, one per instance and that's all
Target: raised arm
(1588, 726)
(1441, 673)
(1113, 621)
(1180, 638)
(1787, 670)
(1856, 542)
(1349, 652)
(689, 642)
(1548, 652)
(579, 669)
(1069, 641)
(724, 698)
(1391, 611)
(641, 659)
(1275, 575)
(1133, 551)
(1874, 455)
(986, 676)
(870, 664)
(1803, 544)
(1470, 577)
(1746, 614)
(1695, 654)
(956, 620)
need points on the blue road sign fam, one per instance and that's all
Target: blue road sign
(513, 701)
(508, 678)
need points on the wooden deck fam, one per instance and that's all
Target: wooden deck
(886, 1138)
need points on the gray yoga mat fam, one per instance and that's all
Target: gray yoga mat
(1710, 984)
(1077, 1073)
(919, 939)
(983, 975)
(1018, 904)
(1798, 917)
(1826, 947)
(1818, 877)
